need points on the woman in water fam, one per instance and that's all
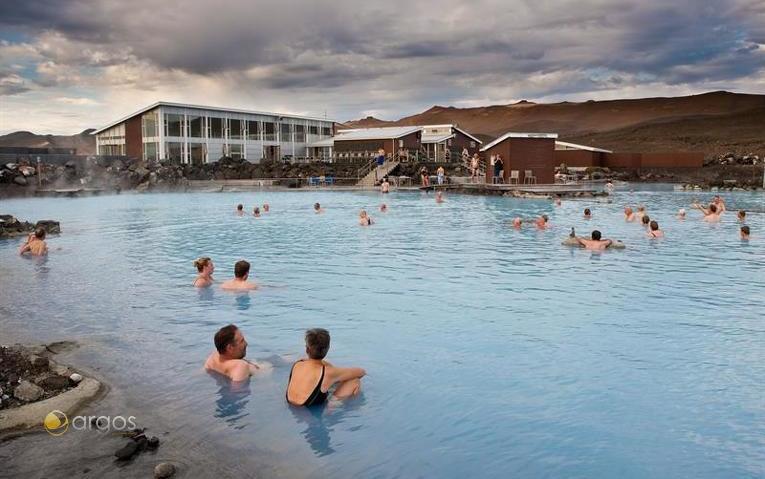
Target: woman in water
(206, 269)
(364, 218)
(256, 212)
(311, 378)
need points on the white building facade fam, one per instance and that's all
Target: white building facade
(199, 134)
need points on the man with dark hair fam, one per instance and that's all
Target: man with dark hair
(711, 214)
(241, 273)
(745, 233)
(240, 209)
(595, 243)
(228, 358)
(35, 244)
(311, 378)
(655, 232)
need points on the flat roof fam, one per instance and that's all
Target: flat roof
(203, 107)
(581, 147)
(322, 143)
(382, 133)
(513, 134)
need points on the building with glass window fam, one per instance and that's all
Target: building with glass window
(201, 134)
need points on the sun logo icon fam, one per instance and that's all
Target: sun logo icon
(56, 423)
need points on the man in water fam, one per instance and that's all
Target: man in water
(719, 203)
(629, 216)
(385, 186)
(228, 358)
(542, 222)
(240, 283)
(646, 221)
(655, 232)
(240, 210)
(517, 223)
(317, 208)
(681, 214)
(587, 214)
(256, 212)
(383, 208)
(741, 215)
(711, 214)
(595, 243)
(641, 212)
(35, 244)
(439, 197)
(266, 207)
(745, 233)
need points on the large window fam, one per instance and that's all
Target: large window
(149, 125)
(150, 151)
(196, 126)
(269, 130)
(253, 130)
(216, 127)
(325, 131)
(313, 130)
(175, 152)
(236, 151)
(299, 134)
(173, 125)
(235, 129)
(197, 153)
(286, 132)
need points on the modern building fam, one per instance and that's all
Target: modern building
(523, 154)
(429, 142)
(201, 134)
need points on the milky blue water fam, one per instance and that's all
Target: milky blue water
(490, 352)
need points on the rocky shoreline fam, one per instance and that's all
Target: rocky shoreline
(100, 175)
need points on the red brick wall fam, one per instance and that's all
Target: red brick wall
(133, 137)
(535, 154)
(578, 158)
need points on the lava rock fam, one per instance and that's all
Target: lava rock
(164, 470)
(127, 451)
(54, 382)
(28, 392)
(38, 361)
(20, 180)
(153, 442)
(51, 227)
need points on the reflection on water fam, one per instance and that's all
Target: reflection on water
(321, 420)
(243, 300)
(231, 401)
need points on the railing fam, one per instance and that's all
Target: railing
(364, 170)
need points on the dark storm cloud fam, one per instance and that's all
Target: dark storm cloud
(409, 45)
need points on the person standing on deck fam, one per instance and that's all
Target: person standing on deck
(379, 160)
(440, 174)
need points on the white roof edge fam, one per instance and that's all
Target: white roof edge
(512, 134)
(203, 107)
(404, 131)
(452, 125)
(582, 147)
(468, 135)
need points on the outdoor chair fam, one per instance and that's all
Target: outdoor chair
(529, 177)
(313, 181)
(329, 180)
(514, 176)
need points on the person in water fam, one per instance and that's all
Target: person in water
(741, 215)
(439, 197)
(745, 233)
(364, 218)
(587, 214)
(312, 378)
(655, 232)
(240, 283)
(645, 220)
(256, 212)
(317, 208)
(640, 212)
(517, 223)
(710, 214)
(206, 269)
(383, 208)
(240, 210)
(228, 357)
(681, 214)
(385, 185)
(266, 208)
(629, 216)
(541, 222)
(35, 244)
(719, 203)
(557, 201)
(595, 243)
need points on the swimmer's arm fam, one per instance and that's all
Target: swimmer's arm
(609, 242)
(252, 364)
(346, 374)
(24, 248)
(579, 240)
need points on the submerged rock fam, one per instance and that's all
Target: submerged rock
(164, 470)
(127, 451)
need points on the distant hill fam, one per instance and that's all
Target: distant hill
(711, 122)
(84, 142)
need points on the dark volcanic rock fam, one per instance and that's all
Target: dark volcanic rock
(127, 451)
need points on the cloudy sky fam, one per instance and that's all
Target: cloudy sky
(67, 65)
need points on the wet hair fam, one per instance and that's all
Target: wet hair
(201, 263)
(256, 210)
(40, 233)
(587, 211)
(240, 207)
(646, 219)
(317, 343)
(224, 337)
(316, 206)
(741, 214)
(745, 230)
(641, 208)
(546, 218)
(654, 225)
(713, 208)
(241, 268)
(596, 235)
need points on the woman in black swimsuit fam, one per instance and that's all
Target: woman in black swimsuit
(311, 378)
